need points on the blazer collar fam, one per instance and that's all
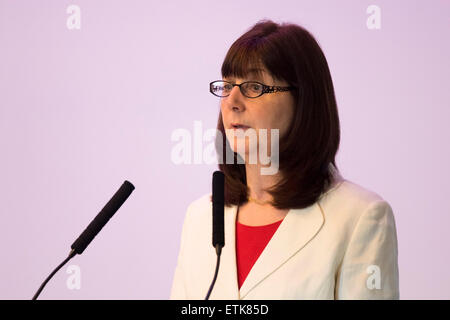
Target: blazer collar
(295, 231)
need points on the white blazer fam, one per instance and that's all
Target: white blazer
(344, 246)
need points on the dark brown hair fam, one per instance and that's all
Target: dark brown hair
(289, 53)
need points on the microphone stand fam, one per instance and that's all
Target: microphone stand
(94, 227)
(71, 255)
(218, 251)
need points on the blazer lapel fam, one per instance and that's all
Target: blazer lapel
(298, 228)
(295, 231)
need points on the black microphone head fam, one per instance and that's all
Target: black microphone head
(103, 217)
(218, 187)
(218, 202)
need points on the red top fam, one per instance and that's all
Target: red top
(250, 243)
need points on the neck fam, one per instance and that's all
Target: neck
(257, 182)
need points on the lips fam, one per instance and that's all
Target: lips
(239, 126)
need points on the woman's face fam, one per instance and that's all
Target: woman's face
(269, 111)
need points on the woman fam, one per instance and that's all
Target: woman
(303, 232)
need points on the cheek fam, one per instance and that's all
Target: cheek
(273, 120)
(226, 110)
(224, 113)
(284, 116)
(285, 121)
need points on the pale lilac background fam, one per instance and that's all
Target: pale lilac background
(83, 110)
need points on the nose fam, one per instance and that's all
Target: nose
(235, 101)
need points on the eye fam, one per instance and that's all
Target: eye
(227, 87)
(256, 87)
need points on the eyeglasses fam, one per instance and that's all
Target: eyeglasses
(250, 89)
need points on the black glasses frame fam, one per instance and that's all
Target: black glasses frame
(266, 89)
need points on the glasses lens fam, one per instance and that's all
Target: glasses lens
(252, 89)
(221, 88)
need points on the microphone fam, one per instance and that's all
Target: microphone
(218, 232)
(94, 227)
(103, 217)
(218, 202)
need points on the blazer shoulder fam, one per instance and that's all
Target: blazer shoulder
(350, 200)
(200, 206)
(358, 192)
